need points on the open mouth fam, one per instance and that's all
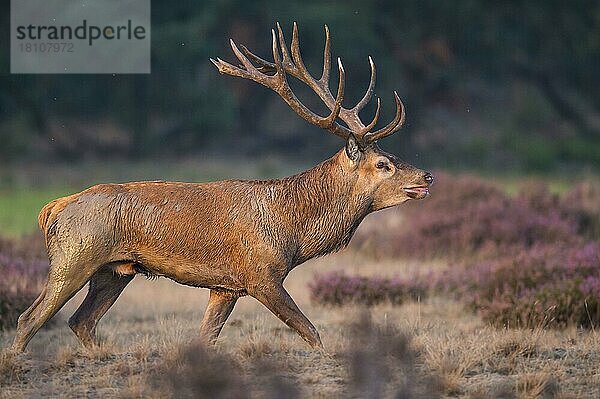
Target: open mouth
(417, 191)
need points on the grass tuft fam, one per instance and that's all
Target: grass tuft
(11, 368)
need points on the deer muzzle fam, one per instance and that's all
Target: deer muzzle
(420, 191)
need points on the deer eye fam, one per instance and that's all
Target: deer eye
(382, 165)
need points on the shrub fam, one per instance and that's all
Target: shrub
(337, 288)
(582, 204)
(379, 361)
(198, 372)
(23, 272)
(526, 260)
(31, 246)
(382, 362)
(550, 285)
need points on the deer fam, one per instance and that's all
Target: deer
(234, 237)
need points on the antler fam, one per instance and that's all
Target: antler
(273, 76)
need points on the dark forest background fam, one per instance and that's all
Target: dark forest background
(493, 85)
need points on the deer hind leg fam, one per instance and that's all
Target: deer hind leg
(105, 287)
(27, 313)
(220, 305)
(278, 301)
(65, 278)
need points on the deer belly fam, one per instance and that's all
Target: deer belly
(192, 272)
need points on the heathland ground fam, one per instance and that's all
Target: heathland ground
(430, 346)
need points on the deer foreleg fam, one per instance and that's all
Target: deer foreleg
(278, 301)
(220, 305)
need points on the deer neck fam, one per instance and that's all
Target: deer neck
(324, 209)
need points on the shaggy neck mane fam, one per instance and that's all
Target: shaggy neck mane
(322, 208)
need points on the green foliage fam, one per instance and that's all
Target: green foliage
(537, 154)
(19, 209)
(16, 135)
(528, 68)
(580, 149)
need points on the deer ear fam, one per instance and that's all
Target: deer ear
(353, 150)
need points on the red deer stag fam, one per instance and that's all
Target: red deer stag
(234, 237)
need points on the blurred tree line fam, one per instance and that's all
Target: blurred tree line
(510, 84)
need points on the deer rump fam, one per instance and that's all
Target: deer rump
(195, 234)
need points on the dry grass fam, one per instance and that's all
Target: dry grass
(11, 369)
(428, 349)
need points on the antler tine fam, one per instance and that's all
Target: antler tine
(374, 121)
(287, 61)
(367, 97)
(248, 71)
(393, 126)
(276, 57)
(264, 65)
(226, 68)
(335, 112)
(244, 60)
(302, 71)
(326, 58)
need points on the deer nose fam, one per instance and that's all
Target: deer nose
(428, 178)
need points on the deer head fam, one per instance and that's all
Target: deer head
(383, 177)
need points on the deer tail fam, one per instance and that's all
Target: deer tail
(45, 216)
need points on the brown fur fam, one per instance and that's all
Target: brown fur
(51, 210)
(234, 237)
